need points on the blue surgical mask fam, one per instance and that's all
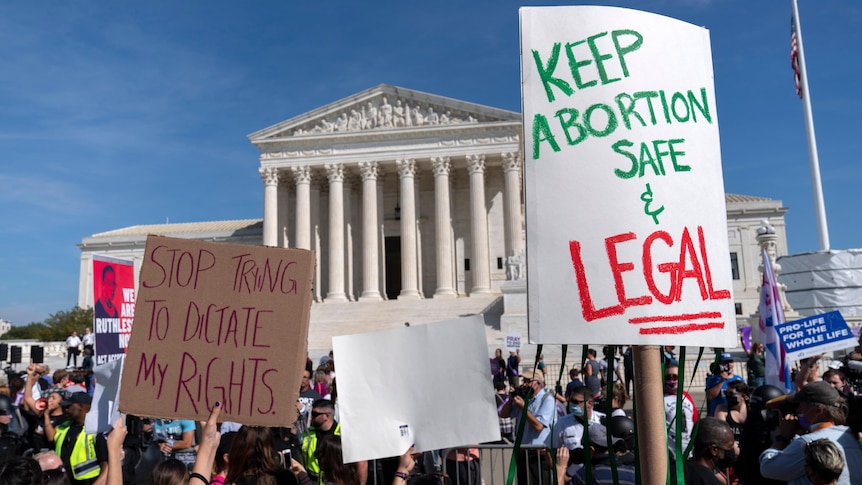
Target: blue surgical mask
(803, 421)
(576, 409)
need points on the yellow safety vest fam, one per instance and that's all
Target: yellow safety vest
(83, 459)
(309, 450)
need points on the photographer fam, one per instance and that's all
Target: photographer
(820, 412)
(541, 412)
(718, 381)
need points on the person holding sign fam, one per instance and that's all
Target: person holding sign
(512, 366)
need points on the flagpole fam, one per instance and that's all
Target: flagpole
(819, 206)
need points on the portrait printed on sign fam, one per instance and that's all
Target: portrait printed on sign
(626, 218)
(113, 307)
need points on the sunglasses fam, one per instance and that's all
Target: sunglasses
(671, 377)
(315, 414)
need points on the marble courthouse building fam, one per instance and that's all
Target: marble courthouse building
(413, 205)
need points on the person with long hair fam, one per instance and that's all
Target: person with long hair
(253, 461)
(170, 472)
(332, 467)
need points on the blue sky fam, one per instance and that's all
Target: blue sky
(115, 114)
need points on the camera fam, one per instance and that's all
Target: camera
(523, 391)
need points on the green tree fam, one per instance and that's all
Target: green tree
(25, 332)
(60, 325)
(55, 328)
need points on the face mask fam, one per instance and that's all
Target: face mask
(728, 460)
(803, 421)
(576, 409)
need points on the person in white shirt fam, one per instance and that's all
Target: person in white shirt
(73, 348)
(89, 339)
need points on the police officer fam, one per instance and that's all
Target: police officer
(84, 456)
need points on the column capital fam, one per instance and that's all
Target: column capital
(476, 163)
(511, 162)
(441, 165)
(302, 174)
(269, 175)
(335, 172)
(406, 168)
(368, 170)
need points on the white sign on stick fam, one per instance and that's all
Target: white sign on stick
(106, 398)
(626, 218)
(425, 385)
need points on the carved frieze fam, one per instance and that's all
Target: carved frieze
(380, 114)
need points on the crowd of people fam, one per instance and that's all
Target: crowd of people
(745, 432)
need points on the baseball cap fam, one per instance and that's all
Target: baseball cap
(533, 375)
(725, 357)
(77, 398)
(599, 435)
(5, 405)
(817, 392)
(51, 390)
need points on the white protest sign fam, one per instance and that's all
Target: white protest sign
(425, 385)
(106, 398)
(813, 335)
(626, 221)
(513, 342)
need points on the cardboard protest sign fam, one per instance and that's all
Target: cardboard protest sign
(104, 411)
(218, 322)
(626, 222)
(114, 307)
(813, 335)
(426, 385)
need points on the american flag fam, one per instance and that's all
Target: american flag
(794, 56)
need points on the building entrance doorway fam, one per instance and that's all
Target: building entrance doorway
(393, 266)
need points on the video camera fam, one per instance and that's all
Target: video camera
(852, 369)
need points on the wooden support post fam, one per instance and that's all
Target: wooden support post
(652, 442)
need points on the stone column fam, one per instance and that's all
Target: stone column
(512, 175)
(270, 205)
(335, 173)
(370, 265)
(409, 278)
(443, 229)
(302, 177)
(481, 266)
(283, 210)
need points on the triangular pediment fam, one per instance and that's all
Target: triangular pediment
(385, 107)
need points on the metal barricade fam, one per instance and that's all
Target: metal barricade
(492, 467)
(494, 462)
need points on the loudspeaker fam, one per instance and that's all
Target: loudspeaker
(15, 357)
(37, 353)
(4, 352)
